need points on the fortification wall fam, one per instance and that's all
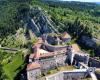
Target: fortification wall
(68, 75)
(54, 48)
(58, 60)
(94, 63)
(47, 63)
(74, 75)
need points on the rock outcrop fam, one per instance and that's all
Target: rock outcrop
(40, 23)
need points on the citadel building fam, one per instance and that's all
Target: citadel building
(46, 57)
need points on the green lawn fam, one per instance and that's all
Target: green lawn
(98, 71)
(11, 69)
(87, 79)
(66, 68)
(63, 68)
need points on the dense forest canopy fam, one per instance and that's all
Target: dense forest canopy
(88, 13)
(11, 14)
(74, 17)
(79, 19)
(65, 12)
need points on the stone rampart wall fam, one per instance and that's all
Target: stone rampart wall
(67, 76)
(94, 63)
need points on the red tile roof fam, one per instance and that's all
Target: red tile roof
(33, 65)
(38, 55)
(40, 40)
(31, 56)
(47, 55)
(75, 47)
(66, 35)
(38, 43)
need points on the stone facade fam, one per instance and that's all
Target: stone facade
(56, 39)
(33, 74)
(47, 64)
(94, 63)
(80, 58)
(55, 48)
(74, 75)
(52, 62)
(71, 75)
(49, 57)
(59, 57)
(75, 56)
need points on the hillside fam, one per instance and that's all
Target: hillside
(21, 24)
(40, 23)
(88, 13)
(19, 27)
(11, 62)
(79, 19)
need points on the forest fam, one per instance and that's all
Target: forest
(78, 19)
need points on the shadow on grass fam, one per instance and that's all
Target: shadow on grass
(22, 75)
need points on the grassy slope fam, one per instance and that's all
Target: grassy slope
(11, 69)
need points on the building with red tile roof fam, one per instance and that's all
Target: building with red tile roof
(33, 71)
(46, 57)
(75, 54)
(65, 35)
(75, 47)
(56, 39)
(33, 65)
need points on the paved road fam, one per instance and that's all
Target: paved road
(93, 76)
(9, 49)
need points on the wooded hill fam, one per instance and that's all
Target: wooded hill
(78, 19)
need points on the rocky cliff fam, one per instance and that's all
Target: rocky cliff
(40, 23)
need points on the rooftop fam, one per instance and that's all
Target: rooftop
(77, 50)
(65, 35)
(38, 43)
(38, 55)
(33, 65)
(75, 47)
(55, 71)
(39, 52)
(42, 51)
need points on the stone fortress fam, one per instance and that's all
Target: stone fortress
(49, 54)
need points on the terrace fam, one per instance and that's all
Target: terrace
(54, 71)
(73, 74)
(58, 69)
